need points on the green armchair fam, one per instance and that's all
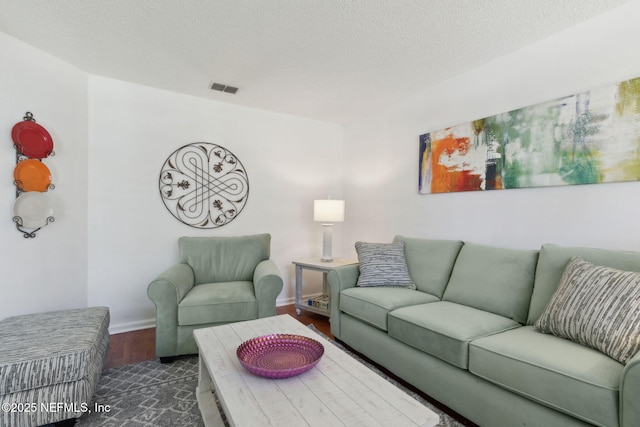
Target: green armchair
(218, 280)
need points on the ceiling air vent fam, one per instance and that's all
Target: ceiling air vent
(224, 88)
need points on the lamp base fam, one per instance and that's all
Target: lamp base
(327, 240)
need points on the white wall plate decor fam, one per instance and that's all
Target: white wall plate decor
(32, 209)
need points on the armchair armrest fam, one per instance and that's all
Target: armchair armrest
(267, 284)
(339, 279)
(630, 393)
(174, 282)
(166, 291)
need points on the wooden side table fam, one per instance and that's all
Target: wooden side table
(316, 264)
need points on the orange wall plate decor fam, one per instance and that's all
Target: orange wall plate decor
(32, 175)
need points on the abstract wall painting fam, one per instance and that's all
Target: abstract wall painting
(587, 138)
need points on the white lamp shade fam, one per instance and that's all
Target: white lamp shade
(328, 210)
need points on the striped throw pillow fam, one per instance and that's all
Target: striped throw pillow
(598, 307)
(383, 264)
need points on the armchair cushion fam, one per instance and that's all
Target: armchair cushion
(222, 302)
(224, 259)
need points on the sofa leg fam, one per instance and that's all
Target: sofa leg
(66, 423)
(167, 359)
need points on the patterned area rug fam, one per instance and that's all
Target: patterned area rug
(146, 394)
(151, 394)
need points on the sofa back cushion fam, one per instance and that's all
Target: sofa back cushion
(430, 262)
(497, 280)
(553, 261)
(224, 259)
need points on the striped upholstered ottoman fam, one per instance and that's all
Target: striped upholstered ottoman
(50, 364)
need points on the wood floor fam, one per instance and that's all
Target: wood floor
(137, 346)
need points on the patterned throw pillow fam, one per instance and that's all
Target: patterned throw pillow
(383, 264)
(598, 307)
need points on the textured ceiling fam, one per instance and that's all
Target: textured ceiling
(333, 60)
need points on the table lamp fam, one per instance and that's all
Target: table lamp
(328, 212)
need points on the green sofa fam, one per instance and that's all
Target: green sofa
(466, 335)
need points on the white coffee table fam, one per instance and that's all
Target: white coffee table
(338, 391)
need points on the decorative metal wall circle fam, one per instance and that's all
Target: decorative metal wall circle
(204, 185)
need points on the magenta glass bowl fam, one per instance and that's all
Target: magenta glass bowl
(279, 355)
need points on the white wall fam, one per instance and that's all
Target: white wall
(48, 272)
(132, 237)
(381, 152)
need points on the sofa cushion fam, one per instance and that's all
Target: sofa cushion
(553, 371)
(218, 302)
(493, 279)
(598, 307)
(430, 262)
(553, 261)
(372, 305)
(224, 259)
(383, 264)
(444, 329)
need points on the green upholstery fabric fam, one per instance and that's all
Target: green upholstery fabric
(553, 261)
(629, 392)
(218, 302)
(444, 329)
(267, 285)
(340, 279)
(372, 305)
(430, 262)
(186, 298)
(496, 280)
(514, 375)
(224, 259)
(485, 403)
(556, 372)
(166, 291)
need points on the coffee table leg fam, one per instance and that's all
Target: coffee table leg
(204, 378)
(206, 401)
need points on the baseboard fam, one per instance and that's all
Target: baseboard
(132, 326)
(151, 323)
(285, 301)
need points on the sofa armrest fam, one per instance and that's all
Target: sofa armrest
(166, 291)
(267, 284)
(172, 285)
(339, 279)
(630, 393)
